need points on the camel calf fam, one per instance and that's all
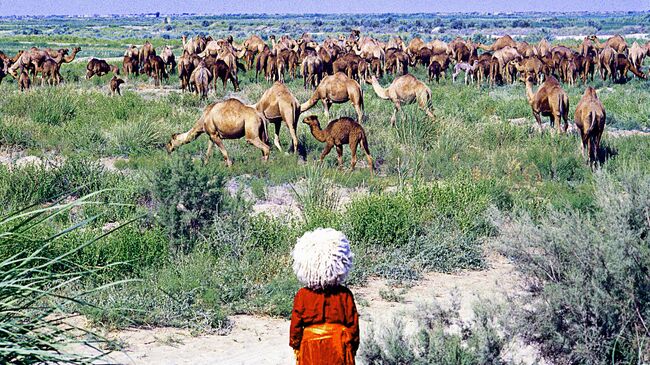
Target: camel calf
(114, 85)
(340, 132)
(590, 121)
(24, 82)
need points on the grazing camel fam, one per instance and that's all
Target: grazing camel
(606, 63)
(550, 100)
(434, 71)
(99, 68)
(590, 121)
(24, 82)
(114, 85)
(229, 119)
(278, 104)
(405, 89)
(337, 88)
(185, 69)
(622, 65)
(340, 132)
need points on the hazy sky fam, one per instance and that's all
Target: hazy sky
(79, 7)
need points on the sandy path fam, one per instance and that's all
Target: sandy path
(263, 340)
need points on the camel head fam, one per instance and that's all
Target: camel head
(311, 120)
(173, 143)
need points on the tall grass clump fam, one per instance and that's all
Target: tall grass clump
(318, 197)
(33, 286)
(587, 275)
(52, 106)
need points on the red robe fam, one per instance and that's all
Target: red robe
(330, 306)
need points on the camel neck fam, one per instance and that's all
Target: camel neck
(529, 91)
(318, 133)
(380, 91)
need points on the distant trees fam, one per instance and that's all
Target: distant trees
(521, 23)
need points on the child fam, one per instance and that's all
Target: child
(324, 322)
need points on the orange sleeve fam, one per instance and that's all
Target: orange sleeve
(353, 320)
(295, 331)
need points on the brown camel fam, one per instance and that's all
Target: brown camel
(405, 89)
(622, 65)
(434, 71)
(69, 58)
(169, 60)
(617, 42)
(155, 67)
(606, 63)
(504, 56)
(312, 71)
(414, 46)
(505, 41)
(99, 68)
(221, 71)
(114, 85)
(550, 100)
(200, 80)
(146, 52)
(278, 104)
(590, 121)
(130, 66)
(340, 132)
(229, 119)
(24, 81)
(185, 69)
(337, 88)
(50, 71)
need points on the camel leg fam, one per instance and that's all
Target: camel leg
(326, 151)
(393, 119)
(353, 150)
(217, 140)
(424, 105)
(276, 139)
(257, 142)
(538, 119)
(289, 119)
(326, 106)
(357, 107)
(339, 157)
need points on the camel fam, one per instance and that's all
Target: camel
(482, 72)
(114, 85)
(587, 47)
(396, 62)
(169, 60)
(434, 71)
(185, 69)
(590, 121)
(146, 52)
(606, 61)
(617, 42)
(504, 56)
(155, 67)
(437, 47)
(50, 71)
(550, 100)
(529, 66)
(543, 48)
(220, 70)
(229, 119)
(254, 44)
(24, 81)
(423, 57)
(622, 65)
(130, 66)
(340, 132)
(502, 42)
(467, 68)
(637, 55)
(404, 90)
(200, 80)
(312, 71)
(69, 58)
(99, 68)
(278, 104)
(414, 46)
(337, 88)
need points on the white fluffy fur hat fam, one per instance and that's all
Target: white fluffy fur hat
(322, 258)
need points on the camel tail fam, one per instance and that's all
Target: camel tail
(364, 142)
(592, 119)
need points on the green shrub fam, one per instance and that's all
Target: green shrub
(588, 274)
(188, 196)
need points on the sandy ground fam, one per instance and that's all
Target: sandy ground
(264, 340)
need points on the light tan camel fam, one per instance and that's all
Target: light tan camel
(550, 100)
(617, 42)
(590, 121)
(337, 88)
(404, 90)
(229, 119)
(278, 104)
(505, 41)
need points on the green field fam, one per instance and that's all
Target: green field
(435, 203)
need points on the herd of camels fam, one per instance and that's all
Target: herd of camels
(336, 69)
